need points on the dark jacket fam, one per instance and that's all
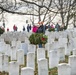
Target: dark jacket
(57, 27)
(40, 29)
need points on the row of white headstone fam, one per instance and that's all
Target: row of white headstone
(63, 69)
(54, 57)
(67, 37)
(13, 66)
(20, 36)
(70, 67)
(68, 45)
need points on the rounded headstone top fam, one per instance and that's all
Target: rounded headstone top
(63, 64)
(72, 56)
(25, 68)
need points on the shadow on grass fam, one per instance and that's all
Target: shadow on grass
(53, 71)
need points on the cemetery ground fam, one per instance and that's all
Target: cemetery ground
(58, 57)
(52, 71)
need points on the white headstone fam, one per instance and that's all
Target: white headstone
(24, 46)
(31, 48)
(1, 40)
(53, 59)
(61, 53)
(13, 68)
(67, 49)
(48, 48)
(31, 60)
(8, 50)
(1, 61)
(74, 43)
(18, 46)
(2, 47)
(56, 45)
(72, 63)
(20, 57)
(63, 40)
(0, 53)
(40, 53)
(71, 44)
(27, 71)
(50, 40)
(42, 67)
(64, 69)
(74, 51)
(5, 63)
(13, 53)
(27, 41)
(13, 43)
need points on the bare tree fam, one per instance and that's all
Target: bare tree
(41, 8)
(65, 8)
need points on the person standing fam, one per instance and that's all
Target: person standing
(57, 27)
(52, 26)
(44, 28)
(7, 29)
(34, 29)
(40, 29)
(23, 28)
(28, 28)
(14, 28)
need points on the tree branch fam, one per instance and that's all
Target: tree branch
(13, 12)
(41, 6)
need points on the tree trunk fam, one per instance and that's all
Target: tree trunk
(39, 14)
(74, 20)
(67, 21)
(62, 17)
